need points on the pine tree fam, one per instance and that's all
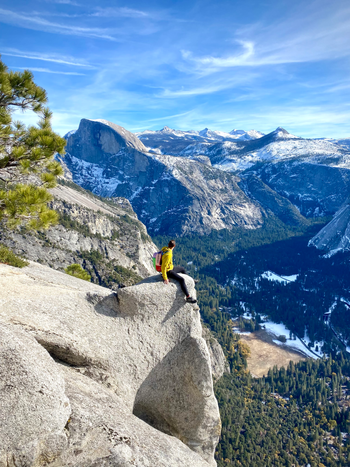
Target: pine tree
(27, 167)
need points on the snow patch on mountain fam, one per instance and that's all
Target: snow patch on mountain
(297, 148)
(246, 135)
(70, 133)
(87, 173)
(272, 276)
(214, 135)
(312, 151)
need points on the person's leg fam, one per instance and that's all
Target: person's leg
(179, 270)
(174, 274)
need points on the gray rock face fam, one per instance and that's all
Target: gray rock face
(160, 403)
(335, 236)
(219, 364)
(317, 190)
(102, 139)
(139, 356)
(272, 202)
(98, 235)
(171, 195)
(34, 408)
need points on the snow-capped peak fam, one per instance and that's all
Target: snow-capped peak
(237, 133)
(245, 135)
(254, 134)
(166, 129)
(281, 133)
(214, 135)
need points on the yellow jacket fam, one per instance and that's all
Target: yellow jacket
(167, 261)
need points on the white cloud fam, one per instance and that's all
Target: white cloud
(121, 11)
(220, 62)
(194, 91)
(38, 23)
(317, 34)
(65, 2)
(47, 70)
(44, 57)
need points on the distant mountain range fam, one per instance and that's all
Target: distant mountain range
(240, 150)
(313, 174)
(169, 141)
(171, 195)
(180, 182)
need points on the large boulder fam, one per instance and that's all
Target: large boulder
(114, 351)
(34, 408)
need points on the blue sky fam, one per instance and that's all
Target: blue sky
(187, 64)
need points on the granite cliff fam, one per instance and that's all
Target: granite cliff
(335, 236)
(93, 378)
(171, 195)
(317, 190)
(311, 174)
(104, 236)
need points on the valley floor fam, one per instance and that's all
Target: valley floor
(265, 354)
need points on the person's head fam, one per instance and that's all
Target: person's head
(171, 244)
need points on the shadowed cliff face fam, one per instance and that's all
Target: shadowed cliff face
(171, 195)
(114, 363)
(316, 190)
(335, 236)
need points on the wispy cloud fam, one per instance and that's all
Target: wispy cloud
(44, 57)
(209, 86)
(47, 70)
(65, 2)
(339, 87)
(39, 23)
(302, 38)
(224, 62)
(209, 89)
(120, 12)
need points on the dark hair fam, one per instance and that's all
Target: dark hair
(171, 244)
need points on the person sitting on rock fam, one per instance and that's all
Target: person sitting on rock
(168, 270)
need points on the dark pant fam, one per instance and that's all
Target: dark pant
(174, 274)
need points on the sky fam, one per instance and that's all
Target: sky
(252, 64)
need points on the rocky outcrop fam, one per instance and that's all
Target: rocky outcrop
(272, 202)
(219, 364)
(105, 237)
(34, 407)
(101, 140)
(171, 195)
(335, 236)
(123, 379)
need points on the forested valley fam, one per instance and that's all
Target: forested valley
(294, 416)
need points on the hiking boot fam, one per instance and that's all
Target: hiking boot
(191, 300)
